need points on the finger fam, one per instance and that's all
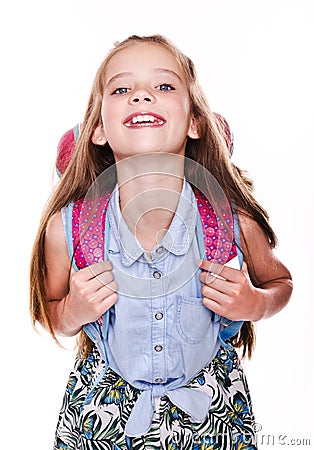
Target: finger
(96, 269)
(211, 266)
(213, 271)
(96, 283)
(107, 303)
(106, 291)
(215, 281)
(227, 288)
(221, 271)
(214, 295)
(213, 306)
(232, 274)
(211, 277)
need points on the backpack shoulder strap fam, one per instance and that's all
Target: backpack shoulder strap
(219, 242)
(218, 232)
(88, 231)
(66, 214)
(84, 224)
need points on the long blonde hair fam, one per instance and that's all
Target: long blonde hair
(89, 161)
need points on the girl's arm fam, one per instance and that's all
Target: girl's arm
(233, 295)
(74, 298)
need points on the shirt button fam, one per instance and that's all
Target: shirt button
(159, 250)
(159, 316)
(157, 274)
(158, 348)
(159, 380)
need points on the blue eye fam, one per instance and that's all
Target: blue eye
(165, 87)
(121, 90)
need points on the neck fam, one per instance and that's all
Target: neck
(150, 187)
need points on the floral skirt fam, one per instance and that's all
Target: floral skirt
(98, 424)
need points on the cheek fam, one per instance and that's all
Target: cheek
(187, 107)
(110, 119)
(182, 107)
(183, 115)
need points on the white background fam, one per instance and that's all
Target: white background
(255, 63)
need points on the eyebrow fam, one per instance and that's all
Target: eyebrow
(168, 71)
(156, 70)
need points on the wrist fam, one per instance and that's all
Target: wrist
(66, 324)
(261, 302)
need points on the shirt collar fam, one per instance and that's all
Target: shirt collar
(177, 239)
(182, 229)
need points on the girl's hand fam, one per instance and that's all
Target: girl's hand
(230, 293)
(92, 293)
(88, 294)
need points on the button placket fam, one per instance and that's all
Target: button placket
(158, 324)
(158, 335)
(159, 370)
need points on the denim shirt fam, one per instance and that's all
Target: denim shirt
(160, 335)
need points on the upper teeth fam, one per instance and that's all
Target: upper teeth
(145, 118)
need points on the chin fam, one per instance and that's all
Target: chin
(139, 151)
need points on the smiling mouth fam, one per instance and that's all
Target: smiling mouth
(140, 120)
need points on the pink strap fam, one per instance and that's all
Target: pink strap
(218, 234)
(88, 225)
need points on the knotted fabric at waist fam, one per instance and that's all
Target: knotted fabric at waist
(193, 402)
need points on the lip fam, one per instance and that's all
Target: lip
(159, 120)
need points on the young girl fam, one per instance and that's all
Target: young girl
(153, 250)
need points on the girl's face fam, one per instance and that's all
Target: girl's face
(146, 105)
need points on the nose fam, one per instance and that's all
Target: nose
(141, 95)
(138, 99)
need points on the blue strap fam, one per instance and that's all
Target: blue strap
(105, 326)
(231, 327)
(231, 330)
(106, 254)
(66, 214)
(76, 132)
(237, 236)
(202, 250)
(92, 329)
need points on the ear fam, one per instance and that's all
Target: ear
(193, 130)
(99, 137)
